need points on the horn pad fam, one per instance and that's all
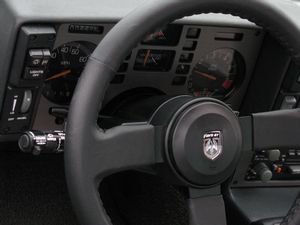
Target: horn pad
(203, 142)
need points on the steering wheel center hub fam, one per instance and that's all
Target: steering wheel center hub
(203, 142)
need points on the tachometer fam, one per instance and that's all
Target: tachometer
(217, 73)
(66, 65)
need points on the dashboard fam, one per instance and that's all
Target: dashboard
(211, 55)
(44, 49)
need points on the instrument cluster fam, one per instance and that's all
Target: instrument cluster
(177, 59)
(174, 54)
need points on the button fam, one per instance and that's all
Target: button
(190, 45)
(292, 152)
(294, 169)
(35, 57)
(289, 102)
(182, 69)
(298, 152)
(46, 54)
(26, 103)
(179, 81)
(186, 57)
(193, 32)
(34, 73)
(274, 155)
(46, 57)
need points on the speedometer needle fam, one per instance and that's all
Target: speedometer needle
(208, 76)
(58, 75)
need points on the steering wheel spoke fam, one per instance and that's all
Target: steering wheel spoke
(120, 148)
(205, 202)
(270, 130)
(125, 147)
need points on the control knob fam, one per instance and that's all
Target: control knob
(263, 172)
(36, 142)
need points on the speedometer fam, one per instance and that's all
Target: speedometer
(217, 73)
(66, 64)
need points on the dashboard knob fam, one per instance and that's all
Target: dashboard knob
(263, 172)
(274, 155)
(37, 142)
(25, 143)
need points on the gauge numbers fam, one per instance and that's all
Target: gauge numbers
(66, 65)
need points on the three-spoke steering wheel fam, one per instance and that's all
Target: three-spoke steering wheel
(200, 140)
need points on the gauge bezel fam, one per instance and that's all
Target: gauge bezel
(85, 48)
(237, 81)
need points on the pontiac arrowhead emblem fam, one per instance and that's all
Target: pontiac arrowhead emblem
(212, 144)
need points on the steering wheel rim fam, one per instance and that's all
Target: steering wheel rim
(84, 137)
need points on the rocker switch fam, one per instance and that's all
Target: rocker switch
(26, 103)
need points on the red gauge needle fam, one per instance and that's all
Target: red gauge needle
(58, 75)
(208, 76)
(147, 56)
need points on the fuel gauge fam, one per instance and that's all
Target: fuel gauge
(154, 60)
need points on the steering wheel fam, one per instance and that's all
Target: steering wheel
(200, 140)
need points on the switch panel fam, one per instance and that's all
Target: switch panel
(18, 110)
(283, 164)
(30, 61)
(32, 55)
